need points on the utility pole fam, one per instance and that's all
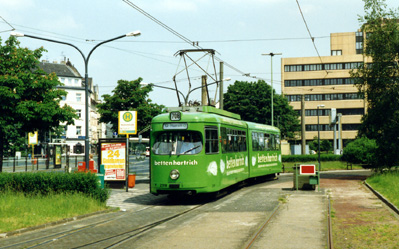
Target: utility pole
(303, 130)
(221, 87)
(204, 96)
(271, 64)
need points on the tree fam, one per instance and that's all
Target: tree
(325, 145)
(379, 81)
(129, 96)
(361, 151)
(29, 99)
(252, 101)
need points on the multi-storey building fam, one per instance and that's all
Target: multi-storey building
(73, 83)
(325, 80)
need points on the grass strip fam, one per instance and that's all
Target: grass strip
(387, 184)
(19, 211)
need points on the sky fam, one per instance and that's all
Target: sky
(240, 31)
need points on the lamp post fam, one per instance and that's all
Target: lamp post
(185, 97)
(318, 142)
(86, 62)
(271, 65)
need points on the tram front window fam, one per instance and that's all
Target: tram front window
(177, 143)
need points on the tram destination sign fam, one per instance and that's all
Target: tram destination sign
(175, 126)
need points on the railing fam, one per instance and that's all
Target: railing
(25, 164)
(138, 164)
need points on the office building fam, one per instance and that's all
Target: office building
(325, 80)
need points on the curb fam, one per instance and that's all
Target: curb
(382, 198)
(50, 224)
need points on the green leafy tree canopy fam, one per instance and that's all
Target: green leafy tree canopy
(252, 100)
(29, 99)
(129, 96)
(378, 81)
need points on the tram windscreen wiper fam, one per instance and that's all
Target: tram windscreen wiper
(193, 148)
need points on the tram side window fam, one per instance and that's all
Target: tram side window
(211, 140)
(264, 141)
(233, 140)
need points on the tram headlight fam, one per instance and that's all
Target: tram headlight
(174, 174)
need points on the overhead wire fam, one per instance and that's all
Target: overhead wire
(192, 43)
(12, 28)
(310, 34)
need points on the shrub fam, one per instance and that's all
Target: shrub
(44, 183)
(361, 151)
(310, 158)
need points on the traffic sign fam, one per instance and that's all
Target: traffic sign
(33, 137)
(127, 122)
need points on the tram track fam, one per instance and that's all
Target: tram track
(261, 228)
(329, 225)
(111, 241)
(60, 235)
(131, 234)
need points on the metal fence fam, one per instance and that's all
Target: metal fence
(25, 164)
(137, 163)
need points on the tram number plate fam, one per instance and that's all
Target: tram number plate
(174, 185)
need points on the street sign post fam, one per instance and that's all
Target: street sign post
(127, 124)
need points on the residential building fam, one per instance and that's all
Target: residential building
(73, 83)
(325, 80)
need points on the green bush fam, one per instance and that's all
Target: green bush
(310, 158)
(44, 183)
(361, 151)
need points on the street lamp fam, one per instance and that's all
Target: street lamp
(86, 62)
(271, 64)
(185, 97)
(318, 141)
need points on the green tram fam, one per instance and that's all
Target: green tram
(204, 149)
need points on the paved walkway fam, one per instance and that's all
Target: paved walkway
(301, 219)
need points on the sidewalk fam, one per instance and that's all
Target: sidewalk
(300, 222)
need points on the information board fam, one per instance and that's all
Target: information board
(113, 157)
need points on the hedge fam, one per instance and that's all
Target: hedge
(310, 158)
(44, 183)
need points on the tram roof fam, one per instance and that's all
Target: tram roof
(256, 126)
(201, 113)
(206, 109)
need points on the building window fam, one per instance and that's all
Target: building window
(319, 97)
(336, 52)
(79, 113)
(62, 80)
(359, 42)
(78, 130)
(78, 97)
(76, 81)
(63, 97)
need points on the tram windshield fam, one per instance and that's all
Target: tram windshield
(177, 143)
